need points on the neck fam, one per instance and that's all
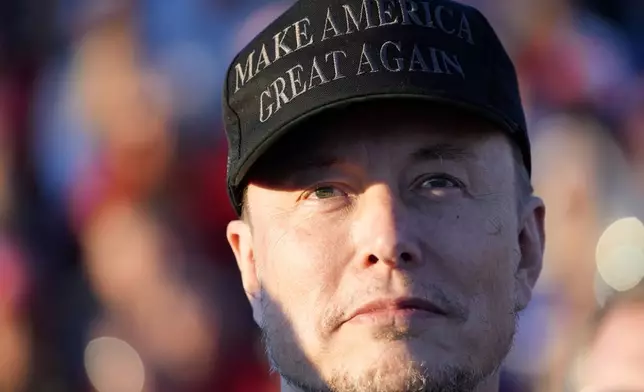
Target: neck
(490, 384)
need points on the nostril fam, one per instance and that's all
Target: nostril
(373, 259)
(406, 257)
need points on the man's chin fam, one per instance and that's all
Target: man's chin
(388, 374)
(381, 359)
(395, 348)
(394, 369)
(402, 373)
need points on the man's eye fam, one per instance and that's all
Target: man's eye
(439, 183)
(438, 186)
(325, 192)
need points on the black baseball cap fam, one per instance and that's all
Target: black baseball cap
(322, 54)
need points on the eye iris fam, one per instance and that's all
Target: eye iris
(324, 192)
(439, 183)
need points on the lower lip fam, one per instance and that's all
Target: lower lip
(388, 316)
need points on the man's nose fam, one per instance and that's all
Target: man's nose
(385, 231)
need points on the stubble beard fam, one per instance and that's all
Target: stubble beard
(288, 360)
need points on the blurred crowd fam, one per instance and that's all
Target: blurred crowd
(115, 274)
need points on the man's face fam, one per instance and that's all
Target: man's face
(387, 203)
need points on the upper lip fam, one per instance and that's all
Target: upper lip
(397, 304)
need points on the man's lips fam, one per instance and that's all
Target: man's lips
(396, 305)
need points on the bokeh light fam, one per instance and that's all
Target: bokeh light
(114, 366)
(620, 254)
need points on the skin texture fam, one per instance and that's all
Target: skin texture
(388, 200)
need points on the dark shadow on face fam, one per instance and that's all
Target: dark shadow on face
(287, 358)
(320, 265)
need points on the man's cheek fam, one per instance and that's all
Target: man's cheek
(297, 276)
(478, 264)
(317, 256)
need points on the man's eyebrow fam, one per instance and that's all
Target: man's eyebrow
(440, 152)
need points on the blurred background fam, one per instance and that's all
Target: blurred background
(115, 275)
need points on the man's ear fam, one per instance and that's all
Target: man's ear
(532, 241)
(240, 238)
